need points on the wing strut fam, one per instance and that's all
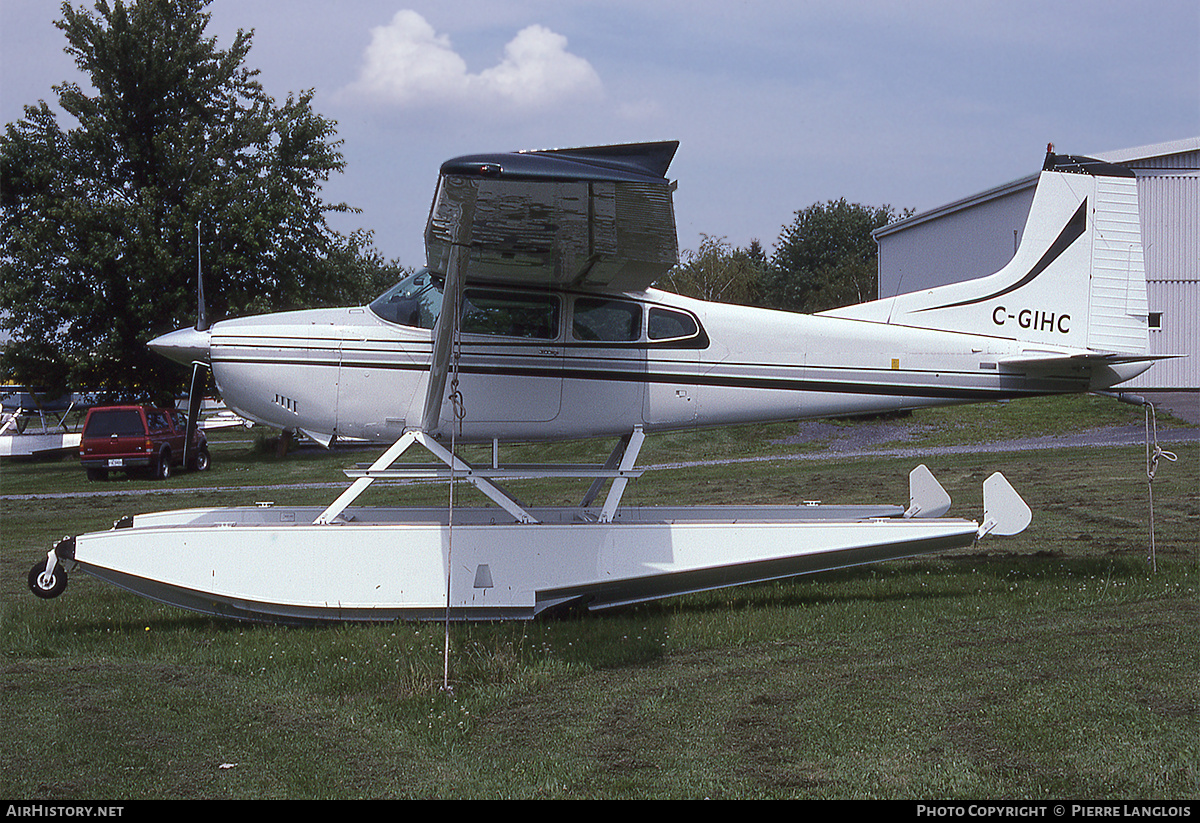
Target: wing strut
(448, 318)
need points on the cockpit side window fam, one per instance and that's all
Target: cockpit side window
(607, 320)
(415, 301)
(510, 314)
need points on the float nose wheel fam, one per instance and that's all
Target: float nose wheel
(47, 582)
(48, 578)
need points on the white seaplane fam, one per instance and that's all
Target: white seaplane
(535, 319)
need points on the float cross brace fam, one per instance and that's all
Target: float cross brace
(619, 468)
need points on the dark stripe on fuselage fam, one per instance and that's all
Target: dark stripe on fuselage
(790, 384)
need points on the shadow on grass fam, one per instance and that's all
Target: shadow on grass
(920, 580)
(613, 638)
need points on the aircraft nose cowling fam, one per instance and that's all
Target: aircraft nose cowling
(184, 346)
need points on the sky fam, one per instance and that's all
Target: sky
(777, 104)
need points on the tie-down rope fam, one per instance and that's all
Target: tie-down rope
(1152, 456)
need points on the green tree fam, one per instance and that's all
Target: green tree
(720, 272)
(175, 155)
(827, 257)
(360, 273)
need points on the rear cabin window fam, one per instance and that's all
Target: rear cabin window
(670, 325)
(606, 320)
(509, 314)
(121, 422)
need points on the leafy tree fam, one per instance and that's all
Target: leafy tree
(360, 273)
(827, 257)
(720, 272)
(176, 155)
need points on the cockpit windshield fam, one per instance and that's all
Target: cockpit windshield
(414, 301)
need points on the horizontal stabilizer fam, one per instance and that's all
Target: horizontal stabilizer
(1081, 358)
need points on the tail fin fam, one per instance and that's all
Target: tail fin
(1077, 280)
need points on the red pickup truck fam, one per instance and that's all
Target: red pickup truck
(137, 438)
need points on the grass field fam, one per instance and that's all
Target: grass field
(1059, 663)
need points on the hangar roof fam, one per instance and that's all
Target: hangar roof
(1134, 155)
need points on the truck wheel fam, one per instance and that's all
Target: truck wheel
(47, 586)
(203, 461)
(97, 474)
(162, 471)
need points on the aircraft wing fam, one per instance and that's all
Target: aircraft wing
(599, 217)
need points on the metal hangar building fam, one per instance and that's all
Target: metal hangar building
(978, 235)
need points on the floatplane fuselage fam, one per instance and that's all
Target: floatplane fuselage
(536, 318)
(579, 365)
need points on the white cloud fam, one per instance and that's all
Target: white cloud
(408, 63)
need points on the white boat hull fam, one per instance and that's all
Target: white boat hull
(273, 564)
(38, 445)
